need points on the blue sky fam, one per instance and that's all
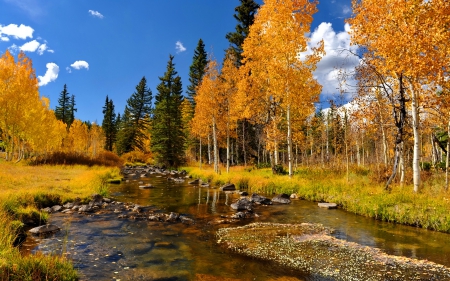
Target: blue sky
(105, 47)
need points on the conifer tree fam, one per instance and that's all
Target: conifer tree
(109, 124)
(72, 110)
(197, 70)
(167, 127)
(245, 15)
(64, 111)
(135, 121)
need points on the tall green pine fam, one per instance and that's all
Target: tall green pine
(109, 124)
(66, 107)
(135, 122)
(167, 127)
(245, 15)
(197, 70)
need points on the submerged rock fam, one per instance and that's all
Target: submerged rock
(44, 229)
(327, 205)
(197, 181)
(228, 187)
(282, 199)
(242, 204)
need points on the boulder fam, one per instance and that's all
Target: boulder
(242, 204)
(294, 196)
(44, 229)
(47, 210)
(282, 198)
(68, 205)
(56, 208)
(84, 208)
(243, 193)
(228, 187)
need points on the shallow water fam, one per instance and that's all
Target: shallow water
(104, 247)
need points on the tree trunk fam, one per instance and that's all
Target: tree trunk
(216, 154)
(289, 140)
(416, 131)
(243, 143)
(200, 153)
(228, 148)
(209, 150)
(402, 165)
(447, 157)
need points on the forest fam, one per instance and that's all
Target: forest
(258, 106)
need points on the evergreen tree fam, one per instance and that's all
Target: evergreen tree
(245, 15)
(72, 110)
(135, 121)
(63, 111)
(167, 129)
(197, 70)
(109, 124)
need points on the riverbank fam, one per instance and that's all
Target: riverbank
(27, 189)
(360, 194)
(310, 248)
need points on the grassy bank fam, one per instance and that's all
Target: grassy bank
(26, 189)
(361, 194)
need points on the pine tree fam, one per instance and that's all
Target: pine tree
(72, 110)
(245, 15)
(135, 121)
(197, 70)
(64, 111)
(167, 129)
(109, 124)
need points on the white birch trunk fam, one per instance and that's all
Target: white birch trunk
(289, 140)
(416, 149)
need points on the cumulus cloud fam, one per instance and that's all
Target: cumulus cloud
(31, 46)
(79, 64)
(95, 14)
(337, 59)
(179, 47)
(16, 31)
(50, 75)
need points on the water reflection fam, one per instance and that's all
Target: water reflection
(159, 250)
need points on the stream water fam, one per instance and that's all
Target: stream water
(104, 247)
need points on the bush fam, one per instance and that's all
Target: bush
(426, 166)
(137, 157)
(104, 158)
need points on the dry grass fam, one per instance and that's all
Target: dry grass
(26, 189)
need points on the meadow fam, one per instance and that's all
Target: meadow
(362, 192)
(24, 191)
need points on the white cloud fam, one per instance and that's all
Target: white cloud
(80, 64)
(50, 51)
(31, 46)
(95, 14)
(68, 69)
(337, 59)
(179, 47)
(42, 49)
(50, 75)
(18, 32)
(4, 39)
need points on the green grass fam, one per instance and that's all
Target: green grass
(361, 195)
(27, 189)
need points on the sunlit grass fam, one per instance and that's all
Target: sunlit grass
(26, 189)
(429, 208)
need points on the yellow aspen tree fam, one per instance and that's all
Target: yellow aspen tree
(229, 82)
(408, 40)
(272, 61)
(208, 107)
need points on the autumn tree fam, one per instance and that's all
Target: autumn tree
(409, 41)
(109, 125)
(273, 67)
(208, 110)
(167, 128)
(135, 122)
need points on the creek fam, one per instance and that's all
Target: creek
(104, 247)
